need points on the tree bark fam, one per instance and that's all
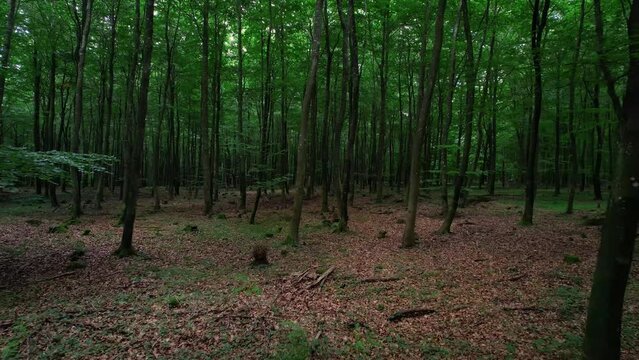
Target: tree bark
(574, 167)
(138, 127)
(79, 103)
(538, 24)
(470, 72)
(302, 146)
(205, 159)
(614, 260)
(6, 50)
(409, 237)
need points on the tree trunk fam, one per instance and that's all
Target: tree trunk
(37, 97)
(574, 168)
(409, 237)
(383, 80)
(302, 146)
(450, 96)
(138, 127)
(596, 172)
(240, 111)
(353, 100)
(605, 308)
(537, 31)
(79, 103)
(470, 72)
(205, 159)
(5, 52)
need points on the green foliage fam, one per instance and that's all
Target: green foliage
(568, 347)
(246, 286)
(296, 346)
(16, 163)
(572, 259)
(173, 301)
(12, 348)
(432, 351)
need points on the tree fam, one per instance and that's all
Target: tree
(6, 51)
(409, 237)
(83, 25)
(470, 73)
(137, 125)
(302, 145)
(574, 166)
(539, 20)
(353, 102)
(205, 159)
(614, 259)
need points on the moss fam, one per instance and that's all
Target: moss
(572, 259)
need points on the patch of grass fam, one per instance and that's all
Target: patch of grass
(173, 301)
(246, 286)
(430, 350)
(567, 347)
(77, 264)
(418, 295)
(511, 349)
(366, 343)
(15, 251)
(565, 277)
(572, 259)
(12, 348)
(568, 300)
(176, 276)
(296, 346)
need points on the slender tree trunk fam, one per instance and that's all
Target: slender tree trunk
(614, 261)
(557, 165)
(383, 79)
(113, 18)
(79, 103)
(409, 236)
(240, 110)
(205, 159)
(574, 168)
(450, 96)
(302, 146)
(537, 31)
(37, 97)
(353, 99)
(327, 105)
(5, 52)
(596, 172)
(138, 127)
(49, 143)
(470, 73)
(266, 112)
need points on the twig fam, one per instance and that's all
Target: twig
(411, 313)
(524, 308)
(55, 277)
(375, 280)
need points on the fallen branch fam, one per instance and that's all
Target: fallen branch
(320, 280)
(55, 277)
(376, 280)
(6, 324)
(525, 308)
(302, 275)
(411, 313)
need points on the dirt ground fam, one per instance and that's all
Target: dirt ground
(496, 290)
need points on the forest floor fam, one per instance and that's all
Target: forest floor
(497, 290)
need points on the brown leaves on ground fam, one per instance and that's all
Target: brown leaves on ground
(496, 289)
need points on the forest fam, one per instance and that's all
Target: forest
(319, 179)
